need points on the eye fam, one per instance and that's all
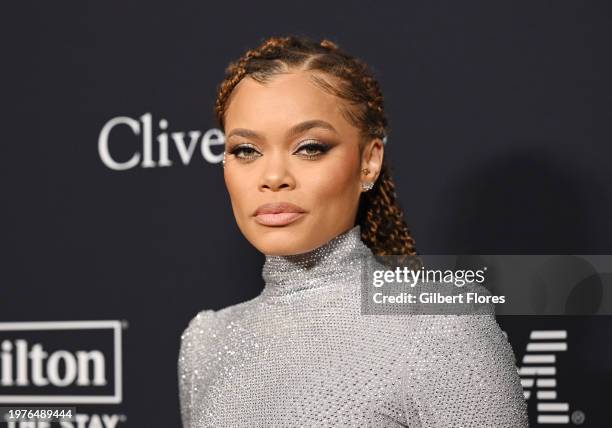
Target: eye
(310, 150)
(245, 152)
(313, 149)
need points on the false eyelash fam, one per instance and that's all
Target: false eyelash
(316, 144)
(322, 147)
(240, 148)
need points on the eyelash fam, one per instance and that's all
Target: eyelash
(318, 145)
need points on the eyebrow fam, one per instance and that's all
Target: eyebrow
(294, 130)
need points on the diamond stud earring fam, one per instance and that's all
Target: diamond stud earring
(367, 185)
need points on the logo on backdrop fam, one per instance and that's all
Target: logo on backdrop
(63, 362)
(539, 375)
(155, 147)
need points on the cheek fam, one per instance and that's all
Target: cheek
(236, 187)
(335, 186)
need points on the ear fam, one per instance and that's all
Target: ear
(372, 160)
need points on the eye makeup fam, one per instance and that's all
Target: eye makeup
(309, 149)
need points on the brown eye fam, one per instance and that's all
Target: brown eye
(314, 149)
(245, 152)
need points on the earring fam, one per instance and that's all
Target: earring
(368, 185)
(223, 161)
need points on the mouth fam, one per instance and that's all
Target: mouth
(278, 214)
(278, 219)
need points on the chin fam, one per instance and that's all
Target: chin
(277, 240)
(281, 241)
(281, 246)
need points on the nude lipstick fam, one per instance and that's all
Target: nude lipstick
(278, 214)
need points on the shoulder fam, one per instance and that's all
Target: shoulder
(464, 374)
(470, 335)
(463, 351)
(197, 331)
(202, 317)
(208, 326)
(465, 328)
(203, 320)
(432, 342)
(193, 335)
(205, 325)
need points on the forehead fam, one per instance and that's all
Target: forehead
(281, 102)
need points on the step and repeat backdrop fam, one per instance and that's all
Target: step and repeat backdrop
(117, 227)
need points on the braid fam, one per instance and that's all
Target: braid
(383, 228)
(382, 219)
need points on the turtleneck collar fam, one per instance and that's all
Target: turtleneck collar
(338, 259)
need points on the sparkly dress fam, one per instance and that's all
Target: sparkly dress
(300, 354)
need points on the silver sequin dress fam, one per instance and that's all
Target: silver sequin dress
(300, 354)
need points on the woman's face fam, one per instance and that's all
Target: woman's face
(288, 143)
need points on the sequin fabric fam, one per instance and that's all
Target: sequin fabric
(300, 354)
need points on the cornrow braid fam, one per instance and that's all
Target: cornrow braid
(383, 228)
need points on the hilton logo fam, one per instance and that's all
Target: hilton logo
(76, 366)
(143, 128)
(65, 369)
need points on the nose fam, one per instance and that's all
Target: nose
(276, 174)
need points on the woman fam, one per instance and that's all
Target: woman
(304, 167)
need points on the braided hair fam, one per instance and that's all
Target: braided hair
(383, 228)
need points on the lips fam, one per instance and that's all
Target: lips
(278, 214)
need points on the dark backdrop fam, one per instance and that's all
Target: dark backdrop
(500, 137)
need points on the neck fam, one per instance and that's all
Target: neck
(335, 261)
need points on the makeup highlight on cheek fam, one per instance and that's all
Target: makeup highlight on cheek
(330, 180)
